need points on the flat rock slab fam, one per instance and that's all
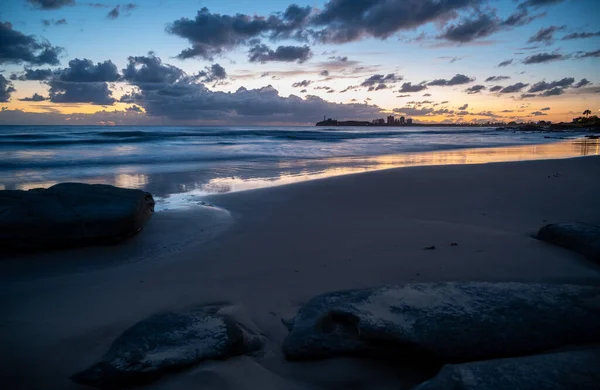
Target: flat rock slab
(554, 371)
(580, 237)
(71, 214)
(445, 322)
(166, 343)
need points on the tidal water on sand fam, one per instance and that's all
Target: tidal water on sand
(181, 164)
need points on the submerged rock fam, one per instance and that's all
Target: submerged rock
(445, 322)
(578, 369)
(166, 343)
(71, 214)
(580, 237)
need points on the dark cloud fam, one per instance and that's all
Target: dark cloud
(554, 92)
(582, 35)
(470, 29)
(16, 47)
(35, 74)
(303, 91)
(52, 22)
(538, 113)
(149, 72)
(542, 58)
(351, 20)
(408, 87)
(545, 35)
(6, 88)
(92, 93)
(464, 107)
(582, 83)
(211, 34)
(520, 18)
(528, 95)
(302, 84)
(114, 13)
(428, 94)
(380, 81)
(324, 73)
(505, 63)
(495, 88)
(513, 88)
(166, 91)
(545, 109)
(475, 89)
(543, 86)
(262, 53)
(456, 80)
(84, 71)
(496, 78)
(402, 96)
(50, 4)
(589, 54)
(213, 73)
(35, 98)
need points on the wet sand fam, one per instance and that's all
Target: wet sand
(275, 248)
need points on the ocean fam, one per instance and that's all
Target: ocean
(179, 165)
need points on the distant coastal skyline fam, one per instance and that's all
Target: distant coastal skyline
(176, 62)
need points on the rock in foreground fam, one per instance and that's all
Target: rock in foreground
(166, 343)
(580, 237)
(445, 322)
(553, 371)
(71, 214)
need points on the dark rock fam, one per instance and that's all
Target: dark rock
(445, 322)
(570, 370)
(580, 237)
(71, 214)
(167, 343)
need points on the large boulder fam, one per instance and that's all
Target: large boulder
(445, 322)
(166, 343)
(580, 237)
(71, 214)
(570, 370)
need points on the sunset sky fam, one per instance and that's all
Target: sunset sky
(169, 62)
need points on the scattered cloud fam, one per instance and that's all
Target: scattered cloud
(475, 89)
(464, 107)
(408, 87)
(581, 35)
(588, 54)
(262, 53)
(545, 109)
(303, 83)
(52, 22)
(116, 12)
(50, 4)
(456, 80)
(538, 113)
(545, 35)
(496, 78)
(554, 92)
(495, 88)
(543, 86)
(505, 63)
(84, 71)
(542, 58)
(513, 88)
(582, 83)
(380, 81)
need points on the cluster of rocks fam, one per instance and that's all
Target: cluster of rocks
(482, 335)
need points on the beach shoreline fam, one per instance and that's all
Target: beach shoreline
(267, 251)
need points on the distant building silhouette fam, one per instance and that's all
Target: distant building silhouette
(390, 120)
(402, 120)
(409, 121)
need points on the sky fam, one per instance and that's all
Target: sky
(239, 62)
